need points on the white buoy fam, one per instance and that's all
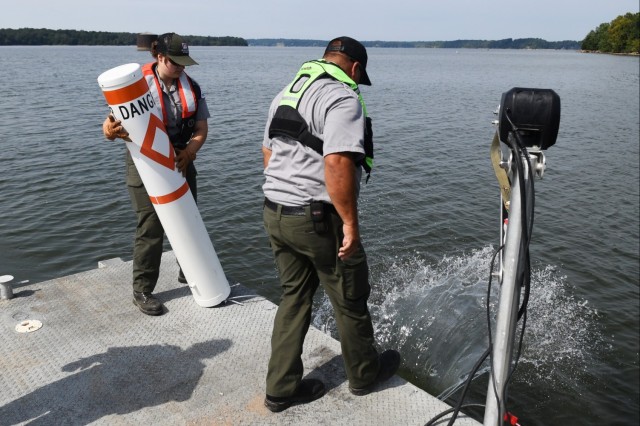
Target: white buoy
(129, 99)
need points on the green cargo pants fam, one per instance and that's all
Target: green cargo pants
(306, 259)
(149, 238)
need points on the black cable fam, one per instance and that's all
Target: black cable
(444, 413)
(493, 381)
(478, 363)
(524, 265)
(523, 276)
(519, 274)
(455, 410)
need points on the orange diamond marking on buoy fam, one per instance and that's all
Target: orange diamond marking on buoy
(155, 124)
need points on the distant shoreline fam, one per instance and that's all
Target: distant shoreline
(508, 43)
(610, 53)
(47, 37)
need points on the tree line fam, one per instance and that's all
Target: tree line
(622, 35)
(508, 43)
(43, 36)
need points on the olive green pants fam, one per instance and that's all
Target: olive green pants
(306, 259)
(149, 237)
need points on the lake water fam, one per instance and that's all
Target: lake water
(430, 213)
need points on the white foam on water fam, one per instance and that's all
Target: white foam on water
(562, 332)
(435, 315)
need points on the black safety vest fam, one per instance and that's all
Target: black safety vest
(287, 120)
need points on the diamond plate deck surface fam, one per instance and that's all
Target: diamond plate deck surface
(97, 359)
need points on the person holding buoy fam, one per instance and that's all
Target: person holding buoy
(185, 113)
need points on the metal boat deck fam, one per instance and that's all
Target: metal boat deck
(97, 359)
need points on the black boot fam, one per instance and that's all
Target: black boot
(147, 303)
(308, 390)
(389, 363)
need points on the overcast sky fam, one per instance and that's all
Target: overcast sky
(367, 20)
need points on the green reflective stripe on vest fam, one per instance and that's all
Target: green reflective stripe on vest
(287, 120)
(314, 70)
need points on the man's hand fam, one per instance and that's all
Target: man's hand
(113, 129)
(350, 242)
(183, 158)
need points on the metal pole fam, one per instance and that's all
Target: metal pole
(507, 309)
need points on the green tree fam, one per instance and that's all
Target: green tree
(622, 35)
(590, 42)
(43, 36)
(604, 41)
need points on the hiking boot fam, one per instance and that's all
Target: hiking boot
(147, 303)
(181, 277)
(308, 390)
(389, 363)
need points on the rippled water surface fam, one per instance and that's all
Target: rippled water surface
(429, 213)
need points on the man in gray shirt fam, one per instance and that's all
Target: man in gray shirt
(316, 144)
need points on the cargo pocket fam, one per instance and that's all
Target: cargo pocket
(355, 274)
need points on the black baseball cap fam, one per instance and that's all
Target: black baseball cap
(173, 46)
(353, 49)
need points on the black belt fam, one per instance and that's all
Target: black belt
(286, 210)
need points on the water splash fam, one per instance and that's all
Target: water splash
(561, 332)
(435, 315)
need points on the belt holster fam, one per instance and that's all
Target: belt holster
(318, 217)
